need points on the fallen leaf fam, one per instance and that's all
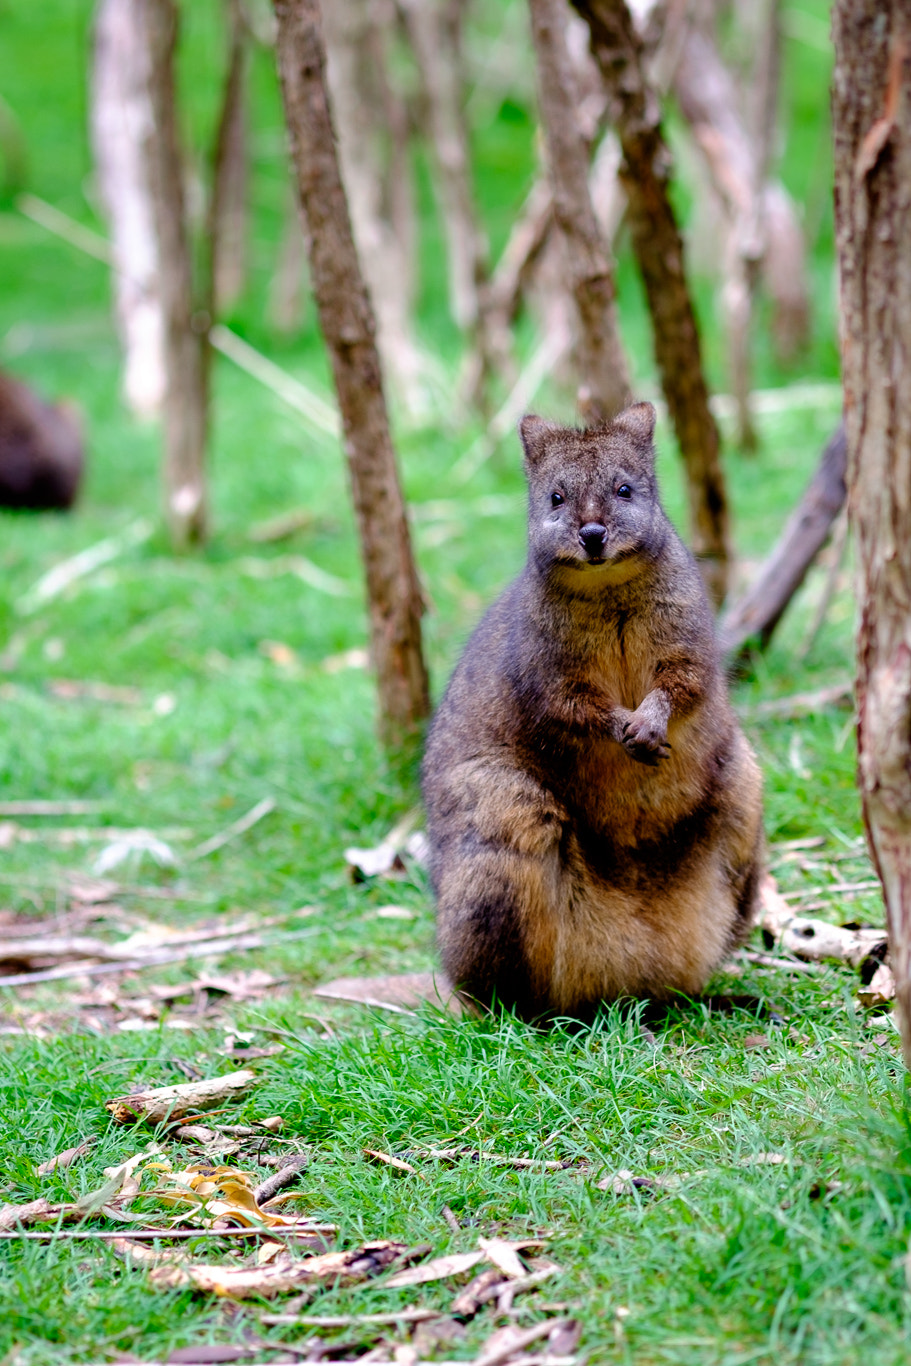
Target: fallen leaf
(763, 1160)
(135, 844)
(385, 858)
(880, 991)
(65, 1159)
(394, 913)
(504, 1255)
(171, 1102)
(455, 1264)
(756, 1041)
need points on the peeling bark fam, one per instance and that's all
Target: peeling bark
(871, 108)
(600, 360)
(645, 174)
(186, 347)
(347, 321)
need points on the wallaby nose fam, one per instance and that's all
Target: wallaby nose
(592, 537)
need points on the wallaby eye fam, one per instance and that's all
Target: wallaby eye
(624, 491)
(556, 499)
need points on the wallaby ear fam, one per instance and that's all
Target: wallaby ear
(534, 432)
(638, 421)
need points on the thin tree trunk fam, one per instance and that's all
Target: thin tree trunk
(355, 35)
(186, 359)
(346, 317)
(228, 200)
(762, 236)
(762, 606)
(121, 118)
(644, 174)
(600, 360)
(871, 108)
(286, 291)
(435, 29)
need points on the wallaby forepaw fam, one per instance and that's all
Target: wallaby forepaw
(645, 740)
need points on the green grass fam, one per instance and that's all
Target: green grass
(799, 1262)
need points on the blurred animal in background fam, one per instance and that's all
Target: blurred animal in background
(41, 451)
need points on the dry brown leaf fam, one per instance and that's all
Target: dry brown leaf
(505, 1255)
(284, 1274)
(763, 1160)
(756, 1041)
(880, 990)
(172, 1102)
(384, 859)
(455, 1264)
(65, 1159)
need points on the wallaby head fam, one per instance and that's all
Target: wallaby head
(593, 497)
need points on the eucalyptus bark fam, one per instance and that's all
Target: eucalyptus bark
(645, 174)
(348, 325)
(600, 359)
(185, 345)
(871, 114)
(121, 118)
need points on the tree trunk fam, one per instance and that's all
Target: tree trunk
(376, 176)
(600, 359)
(346, 318)
(186, 367)
(871, 108)
(644, 174)
(435, 30)
(121, 118)
(228, 201)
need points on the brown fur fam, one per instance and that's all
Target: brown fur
(594, 810)
(41, 456)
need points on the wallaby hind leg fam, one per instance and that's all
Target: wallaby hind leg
(498, 880)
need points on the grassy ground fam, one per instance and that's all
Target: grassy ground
(723, 1256)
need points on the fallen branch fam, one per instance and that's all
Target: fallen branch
(172, 1102)
(499, 1159)
(806, 703)
(231, 832)
(762, 606)
(235, 944)
(816, 940)
(58, 579)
